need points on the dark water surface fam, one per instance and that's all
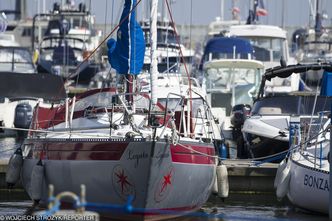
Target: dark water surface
(236, 207)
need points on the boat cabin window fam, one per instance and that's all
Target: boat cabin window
(239, 84)
(16, 60)
(163, 36)
(287, 105)
(102, 99)
(174, 105)
(315, 50)
(268, 49)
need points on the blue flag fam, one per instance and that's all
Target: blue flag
(126, 54)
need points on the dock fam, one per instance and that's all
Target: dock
(243, 176)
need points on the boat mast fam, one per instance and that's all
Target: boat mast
(153, 46)
(222, 4)
(318, 24)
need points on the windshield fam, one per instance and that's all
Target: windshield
(163, 36)
(267, 49)
(16, 60)
(287, 105)
(242, 83)
(317, 50)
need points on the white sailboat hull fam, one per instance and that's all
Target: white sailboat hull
(309, 186)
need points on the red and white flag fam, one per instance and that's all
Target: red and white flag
(261, 11)
(236, 10)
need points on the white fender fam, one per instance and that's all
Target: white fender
(222, 177)
(37, 179)
(215, 185)
(14, 168)
(282, 188)
(281, 167)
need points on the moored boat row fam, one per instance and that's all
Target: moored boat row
(157, 135)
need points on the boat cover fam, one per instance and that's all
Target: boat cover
(21, 85)
(326, 88)
(126, 54)
(226, 45)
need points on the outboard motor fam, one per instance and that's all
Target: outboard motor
(23, 116)
(239, 114)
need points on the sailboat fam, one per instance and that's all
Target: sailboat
(124, 144)
(306, 173)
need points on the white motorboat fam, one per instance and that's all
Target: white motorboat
(21, 88)
(269, 42)
(168, 50)
(231, 78)
(68, 41)
(265, 131)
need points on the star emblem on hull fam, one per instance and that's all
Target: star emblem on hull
(123, 183)
(164, 185)
(123, 180)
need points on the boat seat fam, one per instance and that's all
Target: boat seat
(269, 110)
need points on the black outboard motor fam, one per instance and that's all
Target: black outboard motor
(239, 114)
(23, 116)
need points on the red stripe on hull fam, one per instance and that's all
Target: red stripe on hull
(66, 150)
(78, 150)
(181, 154)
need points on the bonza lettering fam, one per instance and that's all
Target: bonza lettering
(316, 182)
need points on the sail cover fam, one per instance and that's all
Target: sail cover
(326, 87)
(126, 54)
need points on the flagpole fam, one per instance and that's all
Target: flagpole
(283, 14)
(222, 4)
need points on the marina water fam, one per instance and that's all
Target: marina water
(239, 206)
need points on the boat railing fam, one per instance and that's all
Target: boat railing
(185, 117)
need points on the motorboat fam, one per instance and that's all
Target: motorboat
(313, 43)
(122, 143)
(21, 87)
(265, 132)
(306, 169)
(268, 41)
(168, 49)
(67, 43)
(231, 77)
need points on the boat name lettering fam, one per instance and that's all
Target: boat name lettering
(316, 182)
(137, 156)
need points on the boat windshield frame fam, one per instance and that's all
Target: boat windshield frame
(290, 105)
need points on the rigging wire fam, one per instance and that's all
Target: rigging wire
(181, 55)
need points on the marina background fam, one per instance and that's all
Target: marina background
(192, 18)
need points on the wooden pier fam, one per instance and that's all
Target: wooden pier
(245, 176)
